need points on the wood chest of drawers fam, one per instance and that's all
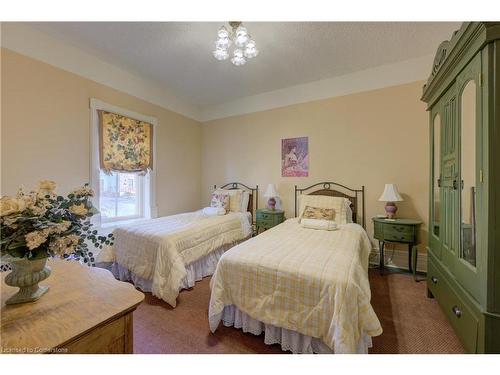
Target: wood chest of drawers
(85, 311)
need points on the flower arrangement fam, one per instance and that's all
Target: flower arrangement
(41, 223)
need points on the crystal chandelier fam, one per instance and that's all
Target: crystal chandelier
(244, 45)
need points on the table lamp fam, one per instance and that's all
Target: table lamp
(271, 194)
(390, 195)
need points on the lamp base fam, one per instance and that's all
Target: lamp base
(271, 204)
(390, 210)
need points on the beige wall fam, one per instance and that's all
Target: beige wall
(45, 133)
(370, 139)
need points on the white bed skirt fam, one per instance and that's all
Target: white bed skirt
(195, 271)
(289, 340)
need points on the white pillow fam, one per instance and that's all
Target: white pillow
(235, 198)
(214, 211)
(348, 211)
(244, 201)
(322, 201)
(318, 224)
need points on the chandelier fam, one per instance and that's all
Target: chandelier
(244, 45)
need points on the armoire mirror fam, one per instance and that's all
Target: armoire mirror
(468, 173)
(436, 128)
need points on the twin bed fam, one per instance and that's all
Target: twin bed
(305, 289)
(168, 254)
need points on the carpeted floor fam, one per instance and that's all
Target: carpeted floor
(412, 323)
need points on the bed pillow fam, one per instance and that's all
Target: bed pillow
(214, 211)
(318, 224)
(235, 198)
(318, 213)
(338, 204)
(348, 211)
(245, 198)
(220, 200)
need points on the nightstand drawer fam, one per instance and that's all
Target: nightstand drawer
(403, 229)
(390, 235)
(264, 216)
(378, 230)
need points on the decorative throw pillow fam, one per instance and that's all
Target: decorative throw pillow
(338, 204)
(220, 200)
(318, 213)
(235, 197)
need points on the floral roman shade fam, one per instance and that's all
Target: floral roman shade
(126, 144)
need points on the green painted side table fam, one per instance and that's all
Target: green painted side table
(399, 231)
(269, 218)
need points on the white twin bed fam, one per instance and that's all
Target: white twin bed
(305, 289)
(170, 253)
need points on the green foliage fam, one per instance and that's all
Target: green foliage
(41, 224)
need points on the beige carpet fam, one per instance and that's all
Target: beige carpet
(412, 323)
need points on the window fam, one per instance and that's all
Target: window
(120, 196)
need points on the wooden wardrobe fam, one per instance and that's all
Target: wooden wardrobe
(463, 97)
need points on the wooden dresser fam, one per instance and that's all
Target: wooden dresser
(86, 310)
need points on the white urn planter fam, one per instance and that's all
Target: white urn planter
(26, 274)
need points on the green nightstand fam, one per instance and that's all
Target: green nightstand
(269, 218)
(400, 231)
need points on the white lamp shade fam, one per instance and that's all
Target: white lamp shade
(390, 194)
(271, 191)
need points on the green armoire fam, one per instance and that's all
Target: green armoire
(463, 98)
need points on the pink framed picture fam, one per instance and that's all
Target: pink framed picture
(295, 157)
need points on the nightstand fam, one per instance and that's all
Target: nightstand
(269, 218)
(399, 231)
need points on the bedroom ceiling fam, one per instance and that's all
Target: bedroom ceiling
(179, 55)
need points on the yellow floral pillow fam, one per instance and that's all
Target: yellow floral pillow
(318, 213)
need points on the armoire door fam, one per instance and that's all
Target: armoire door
(449, 179)
(435, 208)
(468, 268)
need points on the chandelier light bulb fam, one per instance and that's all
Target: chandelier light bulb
(220, 54)
(244, 46)
(238, 58)
(223, 33)
(251, 50)
(223, 43)
(241, 37)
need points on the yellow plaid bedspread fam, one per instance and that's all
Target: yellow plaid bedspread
(314, 282)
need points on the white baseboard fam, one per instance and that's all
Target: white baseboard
(399, 259)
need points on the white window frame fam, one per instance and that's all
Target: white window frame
(142, 189)
(150, 210)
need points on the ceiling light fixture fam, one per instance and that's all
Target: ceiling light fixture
(244, 45)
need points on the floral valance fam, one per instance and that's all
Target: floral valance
(126, 144)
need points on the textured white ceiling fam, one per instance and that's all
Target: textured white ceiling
(178, 55)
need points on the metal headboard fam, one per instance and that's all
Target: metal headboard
(253, 202)
(353, 195)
